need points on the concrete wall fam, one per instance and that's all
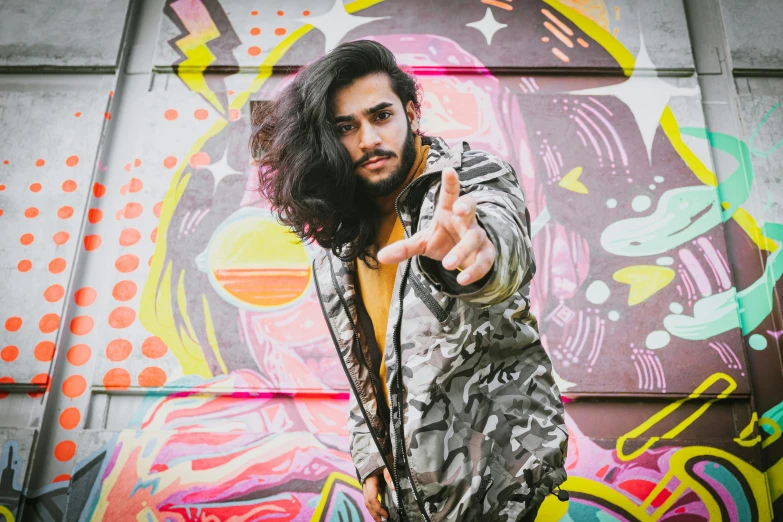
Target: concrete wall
(149, 372)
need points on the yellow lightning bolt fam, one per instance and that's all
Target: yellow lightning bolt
(201, 29)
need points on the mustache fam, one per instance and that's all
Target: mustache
(377, 153)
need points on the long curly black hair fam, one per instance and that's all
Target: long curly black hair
(305, 172)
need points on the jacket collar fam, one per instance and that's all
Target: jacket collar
(441, 156)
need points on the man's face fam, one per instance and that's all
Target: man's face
(376, 130)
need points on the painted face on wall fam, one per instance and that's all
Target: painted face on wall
(376, 130)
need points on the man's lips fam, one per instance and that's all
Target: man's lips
(375, 163)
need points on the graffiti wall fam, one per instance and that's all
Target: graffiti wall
(163, 353)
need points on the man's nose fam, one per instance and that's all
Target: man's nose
(370, 139)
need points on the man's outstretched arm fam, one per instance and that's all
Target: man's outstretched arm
(477, 240)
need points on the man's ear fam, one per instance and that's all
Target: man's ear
(410, 110)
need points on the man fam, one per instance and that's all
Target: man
(423, 279)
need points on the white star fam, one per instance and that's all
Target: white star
(488, 26)
(646, 95)
(220, 170)
(337, 23)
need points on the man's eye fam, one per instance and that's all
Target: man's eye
(384, 116)
(344, 128)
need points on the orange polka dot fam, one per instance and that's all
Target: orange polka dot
(85, 296)
(82, 325)
(152, 377)
(279, 31)
(154, 347)
(234, 114)
(9, 353)
(6, 380)
(2, 187)
(126, 263)
(13, 324)
(57, 265)
(117, 378)
(54, 293)
(44, 351)
(74, 386)
(65, 212)
(41, 379)
(49, 323)
(26, 239)
(64, 477)
(280, 13)
(201, 114)
(79, 354)
(70, 418)
(255, 31)
(107, 115)
(24, 265)
(31, 212)
(129, 236)
(253, 13)
(170, 162)
(171, 115)
(124, 291)
(156, 209)
(132, 210)
(65, 450)
(35, 187)
(305, 13)
(1, 211)
(94, 215)
(122, 317)
(77, 114)
(254, 50)
(92, 242)
(154, 234)
(60, 238)
(98, 190)
(69, 185)
(137, 163)
(5, 162)
(135, 185)
(118, 350)
(40, 163)
(111, 93)
(72, 161)
(230, 92)
(124, 189)
(127, 167)
(200, 159)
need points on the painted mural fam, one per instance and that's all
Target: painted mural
(191, 297)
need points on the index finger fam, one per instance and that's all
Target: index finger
(403, 249)
(449, 189)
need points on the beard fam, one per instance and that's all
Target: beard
(383, 188)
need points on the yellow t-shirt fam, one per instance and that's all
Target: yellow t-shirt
(376, 286)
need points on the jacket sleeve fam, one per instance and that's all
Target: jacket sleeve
(364, 452)
(502, 213)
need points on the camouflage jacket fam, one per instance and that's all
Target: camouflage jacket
(476, 424)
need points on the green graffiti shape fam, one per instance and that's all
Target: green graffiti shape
(681, 215)
(736, 188)
(775, 147)
(716, 314)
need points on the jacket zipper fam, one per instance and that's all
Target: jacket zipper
(398, 353)
(395, 479)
